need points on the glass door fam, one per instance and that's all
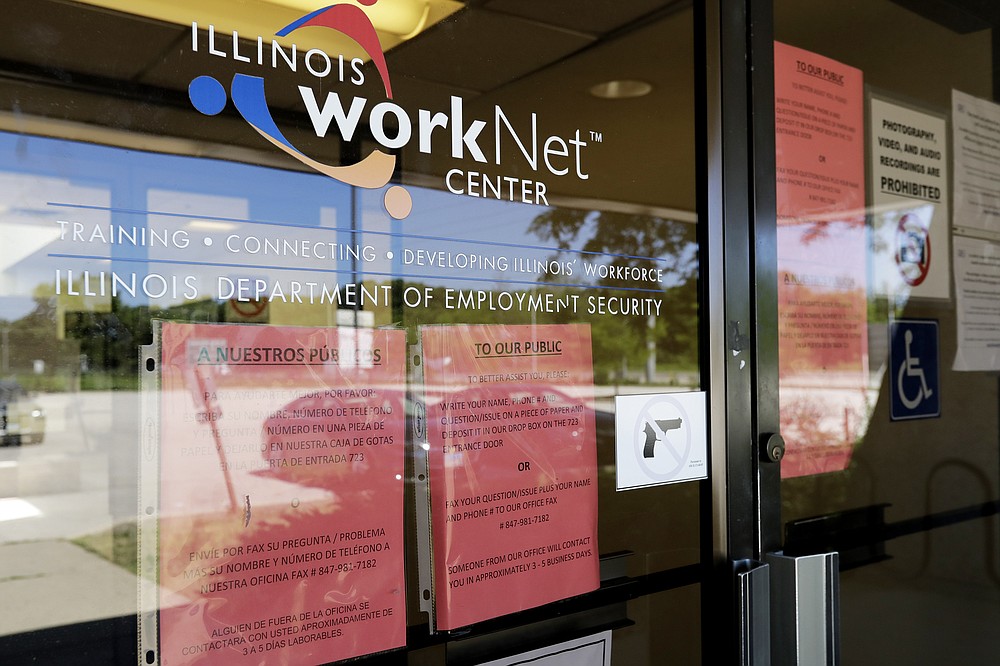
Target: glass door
(371, 328)
(886, 151)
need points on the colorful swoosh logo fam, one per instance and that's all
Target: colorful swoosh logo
(374, 171)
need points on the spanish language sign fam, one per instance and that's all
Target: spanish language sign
(976, 140)
(909, 176)
(281, 494)
(513, 467)
(822, 272)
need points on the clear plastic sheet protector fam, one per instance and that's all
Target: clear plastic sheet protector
(271, 499)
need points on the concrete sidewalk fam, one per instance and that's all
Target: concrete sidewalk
(53, 583)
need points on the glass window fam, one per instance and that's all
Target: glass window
(260, 266)
(893, 442)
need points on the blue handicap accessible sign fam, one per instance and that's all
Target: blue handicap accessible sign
(913, 367)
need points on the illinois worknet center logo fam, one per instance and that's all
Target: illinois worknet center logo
(208, 95)
(510, 160)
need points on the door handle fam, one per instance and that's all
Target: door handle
(805, 609)
(753, 593)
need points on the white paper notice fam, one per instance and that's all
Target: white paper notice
(977, 291)
(976, 128)
(909, 172)
(660, 439)
(588, 651)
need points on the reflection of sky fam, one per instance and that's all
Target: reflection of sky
(829, 249)
(27, 228)
(444, 230)
(44, 180)
(842, 249)
(217, 215)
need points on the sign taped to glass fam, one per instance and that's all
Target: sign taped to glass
(513, 467)
(281, 493)
(822, 273)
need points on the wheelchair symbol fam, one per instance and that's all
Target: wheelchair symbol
(909, 369)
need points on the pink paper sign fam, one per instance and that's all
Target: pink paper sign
(281, 494)
(822, 271)
(513, 467)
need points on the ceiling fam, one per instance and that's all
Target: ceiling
(99, 70)
(113, 70)
(909, 55)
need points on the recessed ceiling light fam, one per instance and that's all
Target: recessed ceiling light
(621, 89)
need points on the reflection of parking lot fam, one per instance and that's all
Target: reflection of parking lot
(82, 478)
(22, 420)
(55, 583)
(63, 485)
(80, 481)
(54, 491)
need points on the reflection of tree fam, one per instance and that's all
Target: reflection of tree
(815, 229)
(639, 241)
(32, 338)
(626, 236)
(110, 340)
(822, 329)
(810, 423)
(820, 435)
(434, 311)
(101, 347)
